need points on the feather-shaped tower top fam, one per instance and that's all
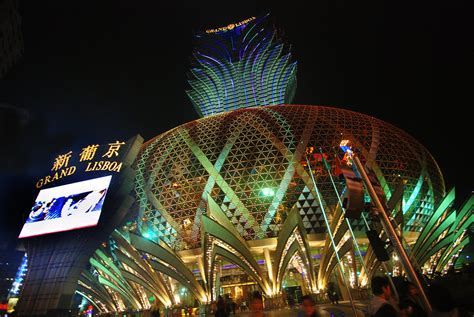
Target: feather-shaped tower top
(241, 65)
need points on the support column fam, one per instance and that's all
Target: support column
(268, 263)
(201, 269)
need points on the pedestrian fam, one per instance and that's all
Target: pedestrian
(221, 308)
(329, 294)
(379, 305)
(234, 306)
(291, 301)
(409, 301)
(228, 305)
(442, 302)
(308, 307)
(256, 304)
(332, 294)
(243, 305)
(335, 296)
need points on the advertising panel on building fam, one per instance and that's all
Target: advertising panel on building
(62, 208)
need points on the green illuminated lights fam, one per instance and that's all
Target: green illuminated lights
(267, 192)
(148, 235)
(248, 67)
(250, 162)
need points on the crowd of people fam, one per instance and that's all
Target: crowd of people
(384, 303)
(225, 307)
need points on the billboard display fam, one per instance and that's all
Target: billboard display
(67, 207)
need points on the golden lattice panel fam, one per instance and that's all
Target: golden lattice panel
(233, 156)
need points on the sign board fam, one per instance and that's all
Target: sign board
(67, 207)
(73, 192)
(89, 186)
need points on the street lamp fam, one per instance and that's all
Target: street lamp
(386, 224)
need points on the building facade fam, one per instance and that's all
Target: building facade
(11, 39)
(252, 163)
(255, 194)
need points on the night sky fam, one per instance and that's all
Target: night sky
(100, 71)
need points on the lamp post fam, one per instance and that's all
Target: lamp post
(392, 234)
(336, 254)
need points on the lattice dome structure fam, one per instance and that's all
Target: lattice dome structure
(251, 162)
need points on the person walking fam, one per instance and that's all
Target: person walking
(443, 303)
(228, 305)
(256, 305)
(379, 305)
(329, 294)
(221, 310)
(409, 304)
(308, 307)
(335, 296)
(234, 306)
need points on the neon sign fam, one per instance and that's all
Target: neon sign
(230, 27)
(91, 158)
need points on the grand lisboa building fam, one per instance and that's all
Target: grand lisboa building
(250, 196)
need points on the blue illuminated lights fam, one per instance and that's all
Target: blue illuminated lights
(19, 278)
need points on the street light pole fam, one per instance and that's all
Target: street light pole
(336, 253)
(392, 234)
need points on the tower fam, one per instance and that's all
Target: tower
(241, 65)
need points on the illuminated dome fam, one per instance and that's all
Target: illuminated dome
(250, 161)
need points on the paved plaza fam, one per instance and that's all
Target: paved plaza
(327, 310)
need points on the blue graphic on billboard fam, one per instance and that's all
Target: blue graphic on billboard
(67, 207)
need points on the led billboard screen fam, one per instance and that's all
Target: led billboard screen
(67, 207)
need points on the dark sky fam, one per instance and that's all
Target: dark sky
(97, 71)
